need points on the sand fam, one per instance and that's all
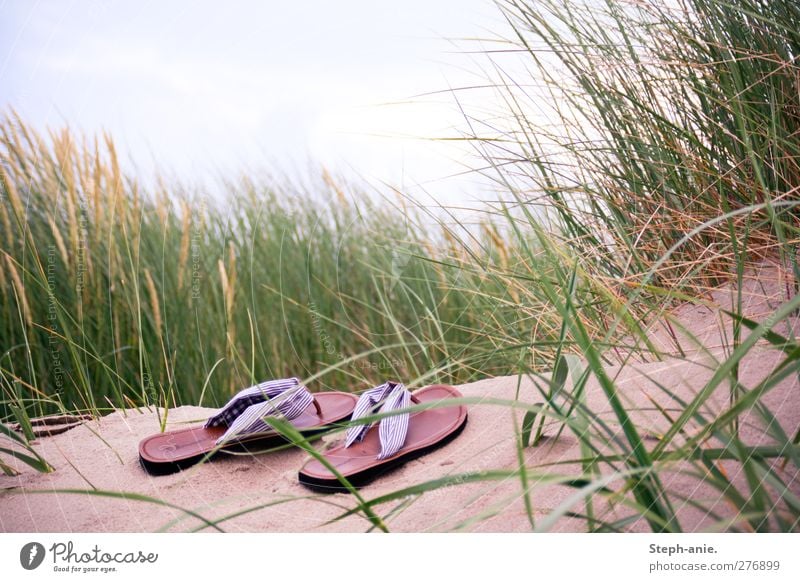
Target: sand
(102, 454)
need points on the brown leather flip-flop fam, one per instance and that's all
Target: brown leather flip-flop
(360, 462)
(172, 451)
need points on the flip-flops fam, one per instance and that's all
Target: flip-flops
(370, 451)
(241, 424)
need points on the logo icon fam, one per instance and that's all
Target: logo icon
(31, 555)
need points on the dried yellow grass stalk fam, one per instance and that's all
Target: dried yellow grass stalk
(116, 176)
(228, 277)
(7, 225)
(26, 133)
(63, 146)
(223, 277)
(13, 195)
(498, 244)
(62, 248)
(82, 161)
(228, 280)
(183, 258)
(15, 146)
(97, 189)
(163, 204)
(20, 289)
(154, 303)
(329, 181)
(3, 281)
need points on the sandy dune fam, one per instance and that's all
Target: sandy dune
(103, 454)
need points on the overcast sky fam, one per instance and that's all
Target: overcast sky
(208, 87)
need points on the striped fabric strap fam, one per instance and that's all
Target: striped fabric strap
(244, 414)
(393, 429)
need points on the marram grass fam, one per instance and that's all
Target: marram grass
(117, 296)
(672, 165)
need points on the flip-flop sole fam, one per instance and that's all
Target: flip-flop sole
(428, 430)
(253, 445)
(172, 451)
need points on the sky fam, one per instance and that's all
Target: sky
(202, 89)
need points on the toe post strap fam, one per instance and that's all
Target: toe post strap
(316, 405)
(244, 414)
(393, 429)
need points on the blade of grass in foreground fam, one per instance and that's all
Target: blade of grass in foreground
(127, 497)
(295, 437)
(33, 459)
